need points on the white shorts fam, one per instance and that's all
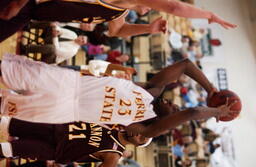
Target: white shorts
(47, 93)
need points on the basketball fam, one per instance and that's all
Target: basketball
(220, 98)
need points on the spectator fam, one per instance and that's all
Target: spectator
(65, 45)
(179, 162)
(128, 161)
(97, 34)
(134, 16)
(116, 57)
(95, 52)
(99, 52)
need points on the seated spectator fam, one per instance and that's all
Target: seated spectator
(99, 52)
(97, 34)
(127, 160)
(210, 148)
(134, 17)
(191, 149)
(79, 28)
(209, 135)
(177, 150)
(95, 52)
(116, 57)
(179, 162)
(65, 45)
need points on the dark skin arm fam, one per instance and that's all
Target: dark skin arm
(160, 126)
(120, 28)
(12, 9)
(170, 74)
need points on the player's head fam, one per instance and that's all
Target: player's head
(163, 107)
(138, 140)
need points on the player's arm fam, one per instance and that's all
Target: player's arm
(160, 126)
(12, 9)
(110, 159)
(184, 10)
(171, 73)
(120, 28)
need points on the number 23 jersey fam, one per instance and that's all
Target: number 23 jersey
(110, 100)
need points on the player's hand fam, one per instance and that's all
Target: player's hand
(225, 109)
(212, 92)
(158, 25)
(216, 19)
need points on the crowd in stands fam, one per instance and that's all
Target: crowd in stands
(192, 143)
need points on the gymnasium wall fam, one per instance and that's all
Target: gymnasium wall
(237, 54)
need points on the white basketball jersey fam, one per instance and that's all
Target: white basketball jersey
(110, 100)
(50, 94)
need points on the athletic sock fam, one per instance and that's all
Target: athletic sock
(6, 150)
(4, 126)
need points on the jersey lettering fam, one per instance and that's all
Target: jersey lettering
(96, 135)
(124, 107)
(109, 99)
(12, 109)
(73, 127)
(140, 106)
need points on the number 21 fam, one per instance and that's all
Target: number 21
(73, 127)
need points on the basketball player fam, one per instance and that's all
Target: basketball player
(65, 143)
(50, 94)
(16, 14)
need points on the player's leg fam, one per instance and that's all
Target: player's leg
(19, 73)
(28, 148)
(24, 129)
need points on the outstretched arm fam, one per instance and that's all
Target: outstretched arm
(173, 72)
(12, 9)
(120, 28)
(160, 126)
(184, 10)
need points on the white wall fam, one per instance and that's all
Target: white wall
(237, 55)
